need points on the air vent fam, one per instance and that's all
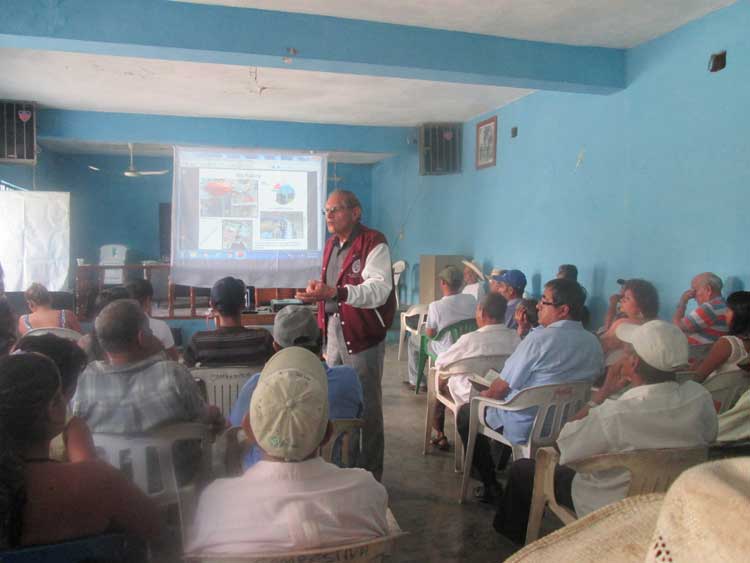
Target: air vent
(439, 149)
(17, 132)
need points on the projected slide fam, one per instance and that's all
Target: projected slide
(245, 213)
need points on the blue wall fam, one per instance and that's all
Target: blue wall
(659, 192)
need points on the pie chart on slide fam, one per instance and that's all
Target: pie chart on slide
(284, 193)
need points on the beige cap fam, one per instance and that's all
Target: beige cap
(289, 408)
(660, 344)
(451, 275)
(497, 272)
(473, 266)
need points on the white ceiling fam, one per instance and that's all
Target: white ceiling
(606, 23)
(133, 85)
(70, 146)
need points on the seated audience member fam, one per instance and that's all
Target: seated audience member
(654, 412)
(136, 390)
(473, 280)
(567, 272)
(494, 286)
(511, 285)
(637, 303)
(42, 314)
(45, 502)
(296, 325)
(492, 338)
(728, 350)
(89, 343)
(561, 352)
(707, 322)
(142, 291)
(292, 499)
(7, 327)
(526, 316)
(74, 443)
(453, 307)
(231, 343)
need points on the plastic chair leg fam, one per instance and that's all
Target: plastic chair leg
(459, 450)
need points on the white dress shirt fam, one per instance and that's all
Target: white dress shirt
(661, 415)
(490, 340)
(475, 289)
(161, 330)
(276, 507)
(446, 311)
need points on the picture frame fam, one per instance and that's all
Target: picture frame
(486, 147)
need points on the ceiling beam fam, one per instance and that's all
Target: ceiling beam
(247, 37)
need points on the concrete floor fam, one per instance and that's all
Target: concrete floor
(423, 490)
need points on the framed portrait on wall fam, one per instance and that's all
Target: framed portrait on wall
(486, 143)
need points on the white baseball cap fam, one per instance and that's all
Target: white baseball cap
(289, 408)
(660, 344)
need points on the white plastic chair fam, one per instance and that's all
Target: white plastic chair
(651, 471)
(370, 550)
(398, 268)
(415, 310)
(478, 366)
(727, 388)
(556, 402)
(223, 384)
(134, 452)
(67, 333)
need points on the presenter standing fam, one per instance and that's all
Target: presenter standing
(356, 305)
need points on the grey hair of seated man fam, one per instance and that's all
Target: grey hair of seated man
(119, 326)
(711, 280)
(493, 306)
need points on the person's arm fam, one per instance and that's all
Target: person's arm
(611, 310)
(190, 354)
(609, 340)
(498, 390)
(613, 383)
(377, 284)
(679, 318)
(196, 408)
(71, 321)
(719, 353)
(79, 444)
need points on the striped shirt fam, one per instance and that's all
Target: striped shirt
(706, 323)
(226, 346)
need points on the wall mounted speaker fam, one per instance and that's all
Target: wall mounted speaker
(17, 132)
(439, 149)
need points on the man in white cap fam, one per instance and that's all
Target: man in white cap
(654, 412)
(473, 280)
(291, 499)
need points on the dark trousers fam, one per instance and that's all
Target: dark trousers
(512, 514)
(482, 460)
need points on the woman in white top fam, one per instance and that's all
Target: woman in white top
(729, 350)
(638, 302)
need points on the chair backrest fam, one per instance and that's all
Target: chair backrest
(651, 471)
(419, 309)
(556, 404)
(343, 431)
(726, 388)
(67, 333)
(457, 329)
(223, 384)
(372, 550)
(102, 548)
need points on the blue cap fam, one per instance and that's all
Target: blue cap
(513, 278)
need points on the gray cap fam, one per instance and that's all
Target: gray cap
(295, 325)
(451, 275)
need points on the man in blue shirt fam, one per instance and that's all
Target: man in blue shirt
(295, 325)
(560, 352)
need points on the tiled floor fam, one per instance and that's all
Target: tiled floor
(424, 489)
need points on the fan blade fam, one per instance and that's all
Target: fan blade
(152, 172)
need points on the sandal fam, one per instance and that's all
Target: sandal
(441, 443)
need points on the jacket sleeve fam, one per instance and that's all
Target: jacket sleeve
(377, 281)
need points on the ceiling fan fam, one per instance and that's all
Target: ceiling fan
(133, 172)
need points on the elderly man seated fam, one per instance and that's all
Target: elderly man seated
(708, 321)
(511, 285)
(560, 352)
(453, 307)
(654, 412)
(295, 325)
(492, 338)
(473, 280)
(292, 499)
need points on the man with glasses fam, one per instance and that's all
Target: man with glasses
(560, 352)
(356, 305)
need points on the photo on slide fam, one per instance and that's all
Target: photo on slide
(237, 235)
(228, 193)
(281, 225)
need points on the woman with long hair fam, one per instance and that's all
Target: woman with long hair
(42, 314)
(43, 501)
(734, 348)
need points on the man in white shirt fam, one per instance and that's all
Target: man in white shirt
(142, 291)
(291, 499)
(453, 307)
(492, 338)
(655, 412)
(473, 280)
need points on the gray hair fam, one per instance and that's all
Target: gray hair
(350, 199)
(711, 280)
(118, 325)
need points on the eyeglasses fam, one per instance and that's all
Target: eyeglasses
(334, 209)
(549, 303)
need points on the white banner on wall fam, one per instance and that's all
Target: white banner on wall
(35, 239)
